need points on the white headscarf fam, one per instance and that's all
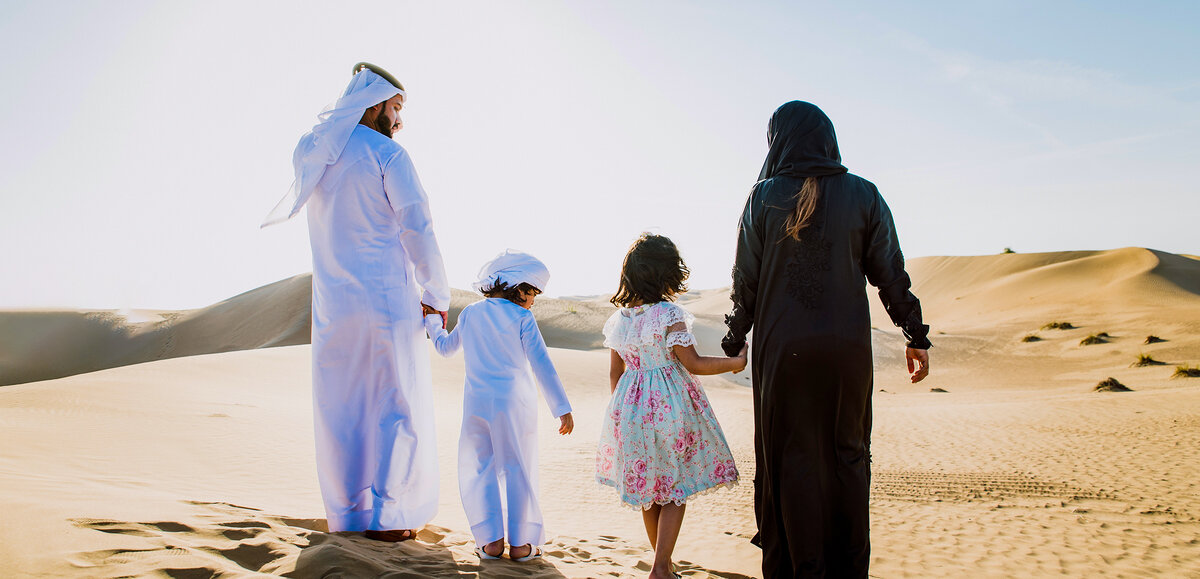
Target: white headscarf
(513, 268)
(321, 147)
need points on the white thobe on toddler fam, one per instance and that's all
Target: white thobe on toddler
(497, 448)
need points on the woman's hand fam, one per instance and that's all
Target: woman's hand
(566, 424)
(918, 363)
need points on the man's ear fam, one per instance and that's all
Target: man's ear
(370, 114)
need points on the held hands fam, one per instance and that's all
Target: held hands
(426, 310)
(918, 363)
(741, 358)
(566, 424)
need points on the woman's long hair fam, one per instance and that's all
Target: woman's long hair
(806, 206)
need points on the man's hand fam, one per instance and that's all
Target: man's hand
(427, 309)
(918, 363)
(566, 424)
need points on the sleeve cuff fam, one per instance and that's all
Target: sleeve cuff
(439, 304)
(731, 345)
(918, 340)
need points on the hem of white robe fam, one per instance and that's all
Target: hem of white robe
(527, 534)
(524, 533)
(385, 519)
(487, 532)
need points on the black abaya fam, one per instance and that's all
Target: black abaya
(812, 369)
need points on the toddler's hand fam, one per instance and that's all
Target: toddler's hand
(428, 309)
(566, 424)
(742, 358)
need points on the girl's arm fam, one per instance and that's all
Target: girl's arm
(616, 367)
(445, 344)
(706, 365)
(543, 369)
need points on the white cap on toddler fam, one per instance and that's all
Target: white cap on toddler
(513, 268)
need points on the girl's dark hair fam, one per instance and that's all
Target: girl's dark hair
(511, 293)
(653, 272)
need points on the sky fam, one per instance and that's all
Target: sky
(144, 142)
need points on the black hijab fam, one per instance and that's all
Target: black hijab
(802, 143)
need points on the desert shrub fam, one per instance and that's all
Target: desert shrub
(1111, 384)
(1153, 339)
(1092, 339)
(1008, 250)
(1058, 326)
(1186, 372)
(1145, 360)
(1031, 338)
(938, 390)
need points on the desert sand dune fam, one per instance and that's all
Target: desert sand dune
(982, 290)
(202, 465)
(958, 293)
(40, 345)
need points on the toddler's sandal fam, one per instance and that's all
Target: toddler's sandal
(534, 553)
(483, 555)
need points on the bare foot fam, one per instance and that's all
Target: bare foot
(518, 552)
(667, 572)
(392, 535)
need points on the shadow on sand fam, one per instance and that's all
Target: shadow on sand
(221, 539)
(218, 539)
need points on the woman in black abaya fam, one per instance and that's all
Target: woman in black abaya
(810, 238)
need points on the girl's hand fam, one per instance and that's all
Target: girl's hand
(742, 358)
(566, 424)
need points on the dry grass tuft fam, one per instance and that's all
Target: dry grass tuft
(1145, 360)
(1111, 384)
(1153, 340)
(1031, 338)
(1058, 326)
(1093, 339)
(1186, 372)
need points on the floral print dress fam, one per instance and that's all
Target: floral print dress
(660, 442)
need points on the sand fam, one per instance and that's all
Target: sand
(196, 460)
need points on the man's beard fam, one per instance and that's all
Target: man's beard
(384, 125)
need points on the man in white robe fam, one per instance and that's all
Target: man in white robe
(373, 250)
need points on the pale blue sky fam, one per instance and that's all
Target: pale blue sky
(143, 142)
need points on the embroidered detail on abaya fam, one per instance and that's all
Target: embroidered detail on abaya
(806, 269)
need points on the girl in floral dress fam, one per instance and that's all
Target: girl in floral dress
(660, 443)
